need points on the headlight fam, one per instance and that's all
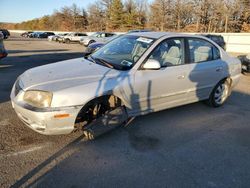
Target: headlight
(37, 98)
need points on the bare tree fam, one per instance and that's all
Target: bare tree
(171, 15)
(160, 14)
(96, 17)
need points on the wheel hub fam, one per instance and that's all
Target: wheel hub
(221, 93)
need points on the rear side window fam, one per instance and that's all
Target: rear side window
(109, 34)
(201, 51)
(217, 38)
(81, 34)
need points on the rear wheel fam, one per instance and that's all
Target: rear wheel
(90, 42)
(67, 41)
(246, 73)
(219, 94)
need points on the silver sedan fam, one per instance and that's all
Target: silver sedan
(97, 37)
(138, 72)
(3, 52)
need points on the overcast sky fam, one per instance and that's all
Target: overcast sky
(22, 10)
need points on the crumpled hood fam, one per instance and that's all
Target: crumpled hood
(65, 74)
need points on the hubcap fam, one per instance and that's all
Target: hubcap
(221, 93)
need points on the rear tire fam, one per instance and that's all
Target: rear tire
(67, 41)
(246, 73)
(219, 94)
(90, 42)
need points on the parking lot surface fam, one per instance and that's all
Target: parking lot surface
(189, 146)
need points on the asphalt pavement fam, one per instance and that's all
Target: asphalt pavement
(189, 146)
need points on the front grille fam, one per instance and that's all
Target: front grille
(17, 87)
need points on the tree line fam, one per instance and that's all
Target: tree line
(159, 15)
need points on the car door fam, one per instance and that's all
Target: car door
(166, 87)
(78, 36)
(206, 68)
(71, 36)
(74, 37)
(81, 35)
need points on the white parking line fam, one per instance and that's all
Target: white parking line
(25, 151)
(28, 150)
(5, 66)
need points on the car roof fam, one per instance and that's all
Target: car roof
(154, 35)
(210, 35)
(157, 35)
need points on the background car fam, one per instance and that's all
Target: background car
(96, 37)
(5, 33)
(50, 38)
(34, 34)
(3, 52)
(55, 37)
(60, 35)
(245, 63)
(73, 37)
(25, 34)
(45, 34)
(96, 45)
(218, 39)
(139, 30)
(92, 48)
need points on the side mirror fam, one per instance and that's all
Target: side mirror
(152, 64)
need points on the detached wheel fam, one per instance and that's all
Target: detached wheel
(94, 112)
(91, 119)
(219, 94)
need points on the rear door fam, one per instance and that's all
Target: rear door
(75, 37)
(206, 68)
(79, 36)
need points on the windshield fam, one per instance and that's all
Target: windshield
(123, 52)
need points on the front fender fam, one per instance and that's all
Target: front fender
(81, 95)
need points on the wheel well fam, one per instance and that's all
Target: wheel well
(228, 79)
(111, 101)
(223, 80)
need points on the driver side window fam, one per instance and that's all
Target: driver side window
(169, 52)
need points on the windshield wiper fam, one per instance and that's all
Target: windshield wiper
(104, 62)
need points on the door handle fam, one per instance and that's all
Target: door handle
(218, 69)
(181, 77)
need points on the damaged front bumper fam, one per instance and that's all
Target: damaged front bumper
(49, 121)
